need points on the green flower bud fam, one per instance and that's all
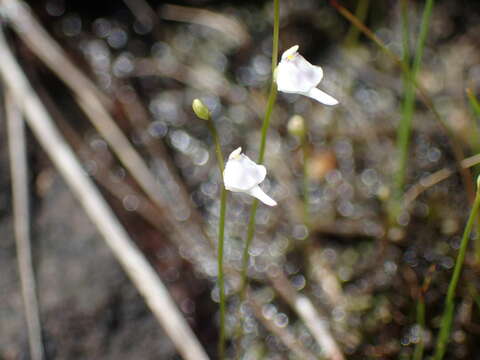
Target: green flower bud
(200, 110)
(296, 126)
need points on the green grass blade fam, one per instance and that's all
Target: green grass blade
(447, 317)
(405, 127)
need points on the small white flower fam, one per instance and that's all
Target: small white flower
(296, 75)
(243, 175)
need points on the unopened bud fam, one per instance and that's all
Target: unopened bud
(200, 110)
(296, 126)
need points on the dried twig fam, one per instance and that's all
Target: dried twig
(433, 179)
(283, 334)
(21, 215)
(227, 25)
(132, 260)
(308, 313)
(92, 101)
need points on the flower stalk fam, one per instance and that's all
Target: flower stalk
(203, 113)
(263, 141)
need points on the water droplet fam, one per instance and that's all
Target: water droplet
(157, 129)
(117, 38)
(131, 202)
(300, 232)
(101, 27)
(55, 7)
(269, 311)
(281, 320)
(71, 25)
(123, 65)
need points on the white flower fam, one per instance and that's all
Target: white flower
(296, 75)
(243, 175)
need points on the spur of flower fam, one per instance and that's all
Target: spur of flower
(243, 175)
(296, 75)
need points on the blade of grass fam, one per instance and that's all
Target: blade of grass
(405, 31)
(475, 105)
(405, 127)
(474, 294)
(420, 345)
(447, 317)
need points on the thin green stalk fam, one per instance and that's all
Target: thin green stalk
(405, 124)
(474, 294)
(361, 13)
(475, 105)
(420, 346)
(405, 127)
(475, 133)
(418, 352)
(221, 280)
(221, 238)
(306, 181)
(447, 316)
(405, 30)
(266, 124)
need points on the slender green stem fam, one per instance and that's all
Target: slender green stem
(475, 133)
(447, 316)
(306, 181)
(405, 128)
(473, 292)
(420, 346)
(221, 239)
(221, 281)
(361, 13)
(475, 106)
(418, 352)
(403, 131)
(266, 124)
(405, 30)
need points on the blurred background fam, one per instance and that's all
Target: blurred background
(365, 270)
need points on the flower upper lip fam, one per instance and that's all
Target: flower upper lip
(290, 53)
(243, 175)
(296, 75)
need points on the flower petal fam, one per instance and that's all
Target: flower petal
(289, 52)
(235, 153)
(297, 75)
(260, 195)
(242, 174)
(322, 97)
